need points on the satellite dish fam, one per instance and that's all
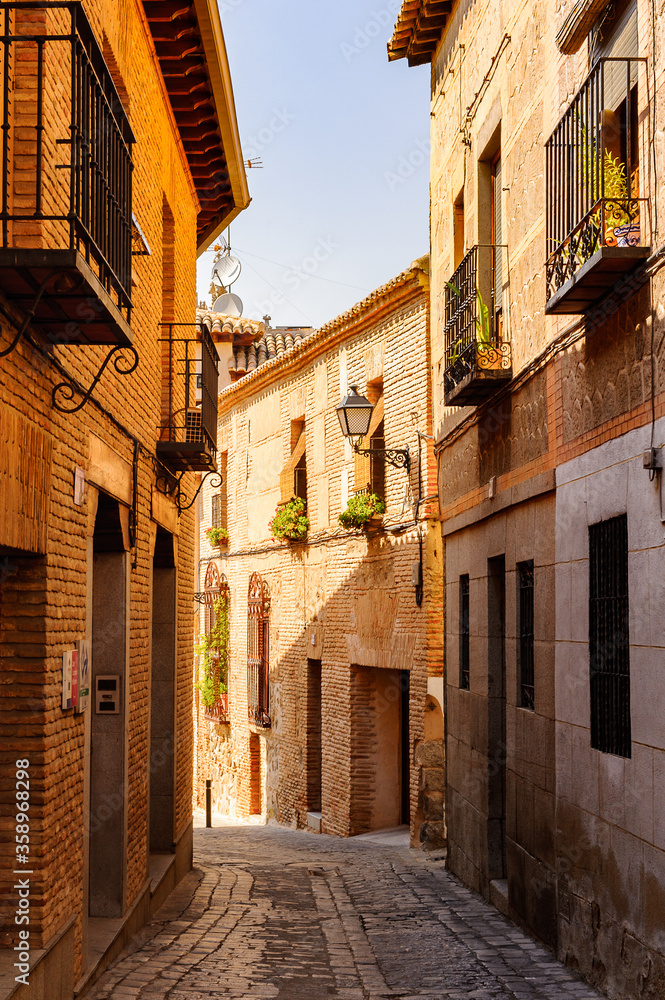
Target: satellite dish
(228, 305)
(226, 270)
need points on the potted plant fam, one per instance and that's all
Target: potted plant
(213, 649)
(217, 536)
(290, 522)
(360, 509)
(491, 358)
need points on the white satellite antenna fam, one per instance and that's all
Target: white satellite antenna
(226, 270)
(228, 305)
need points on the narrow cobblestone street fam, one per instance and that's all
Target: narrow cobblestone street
(275, 913)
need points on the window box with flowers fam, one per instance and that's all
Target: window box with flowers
(290, 521)
(361, 510)
(217, 536)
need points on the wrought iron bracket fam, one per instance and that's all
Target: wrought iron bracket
(171, 486)
(400, 458)
(28, 316)
(70, 387)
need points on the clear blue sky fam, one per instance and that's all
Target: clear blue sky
(344, 139)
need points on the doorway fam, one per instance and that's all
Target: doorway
(162, 696)
(108, 764)
(314, 746)
(254, 774)
(379, 791)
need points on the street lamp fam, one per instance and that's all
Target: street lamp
(355, 415)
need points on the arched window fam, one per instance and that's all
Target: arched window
(258, 650)
(215, 646)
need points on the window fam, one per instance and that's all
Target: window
(525, 634)
(497, 258)
(258, 652)
(458, 228)
(214, 679)
(293, 478)
(464, 668)
(609, 643)
(369, 472)
(218, 501)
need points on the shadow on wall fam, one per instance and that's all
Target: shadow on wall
(364, 746)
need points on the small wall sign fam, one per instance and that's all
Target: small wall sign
(79, 486)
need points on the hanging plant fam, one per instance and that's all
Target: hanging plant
(217, 536)
(290, 521)
(213, 650)
(360, 509)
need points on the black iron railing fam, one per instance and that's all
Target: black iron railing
(609, 637)
(190, 377)
(66, 143)
(258, 652)
(258, 702)
(526, 635)
(592, 173)
(473, 338)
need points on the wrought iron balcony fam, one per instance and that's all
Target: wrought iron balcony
(598, 226)
(477, 356)
(190, 374)
(66, 218)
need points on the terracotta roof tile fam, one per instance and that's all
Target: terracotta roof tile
(274, 344)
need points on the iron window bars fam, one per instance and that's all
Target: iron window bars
(188, 438)
(592, 174)
(609, 639)
(526, 634)
(85, 203)
(258, 652)
(464, 659)
(476, 352)
(216, 586)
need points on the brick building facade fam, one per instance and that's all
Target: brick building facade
(104, 203)
(332, 717)
(547, 348)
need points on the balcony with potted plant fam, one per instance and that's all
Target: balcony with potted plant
(477, 352)
(597, 223)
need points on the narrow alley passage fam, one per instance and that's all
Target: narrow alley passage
(275, 913)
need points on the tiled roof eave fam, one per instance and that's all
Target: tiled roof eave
(190, 49)
(418, 30)
(327, 332)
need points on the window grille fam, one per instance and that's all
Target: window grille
(609, 641)
(525, 632)
(216, 586)
(258, 651)
(464, 660)
(215, 511)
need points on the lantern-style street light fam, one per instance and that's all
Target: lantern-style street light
(355, 415)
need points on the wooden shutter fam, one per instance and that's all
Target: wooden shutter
(223, 490)
(363, 469)
(620, 43)
(286, 479)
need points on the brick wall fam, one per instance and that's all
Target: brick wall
(327, 594)
(44, 591)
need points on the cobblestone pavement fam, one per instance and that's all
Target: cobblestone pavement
(275, 913)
